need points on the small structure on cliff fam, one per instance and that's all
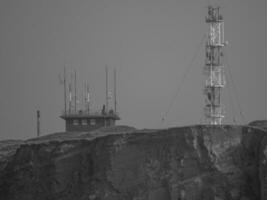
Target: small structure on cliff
(85, 119)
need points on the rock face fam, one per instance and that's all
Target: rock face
(263, 158)
(7, 150)
(187, 163)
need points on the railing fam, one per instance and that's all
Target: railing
(86, 112)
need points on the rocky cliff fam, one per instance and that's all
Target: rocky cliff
(197, 162)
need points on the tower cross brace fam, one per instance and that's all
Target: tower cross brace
(214, 68)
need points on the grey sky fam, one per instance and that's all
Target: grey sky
(150, 42)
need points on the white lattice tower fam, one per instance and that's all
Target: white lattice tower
(214, 68)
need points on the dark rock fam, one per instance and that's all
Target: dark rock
(197, 162)
(7, 150)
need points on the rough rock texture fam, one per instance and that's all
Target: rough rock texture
(198, 162)
(259, 123)
(263, 158)
(7, 150)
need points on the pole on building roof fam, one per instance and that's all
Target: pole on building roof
(106, 89)
(75, 91)
(65, 102)
(38, 123)
(70, 98)
(88, 97)
(115, 90)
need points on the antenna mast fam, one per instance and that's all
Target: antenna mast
(65, 101)
(88, 97)
(213, 67)
(70, 98)
(75, 91)
(38, 123)
(85, 95)
(115, 90)
(106, 88)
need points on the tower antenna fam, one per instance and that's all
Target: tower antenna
(70, 94)
(75, 91)
(214, 67)
(106, 88)
(88, 97)
(38, 123)
(70, 97)
(65, 101)
(115, 90)
(85, 95)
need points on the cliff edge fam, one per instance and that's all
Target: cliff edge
(195, 162)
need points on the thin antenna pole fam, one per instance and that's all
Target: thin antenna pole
(106, 88)
(70, 97)
(88, 97)
(65, 101)
(70, 93)
(82, 97)
(38, 123)
(75, 91)
(85, 95)
(115, 90)
(71, 85)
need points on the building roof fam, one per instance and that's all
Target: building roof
(90, 115)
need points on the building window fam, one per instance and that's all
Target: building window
(75, 122)
(84, 122)
(92, 122)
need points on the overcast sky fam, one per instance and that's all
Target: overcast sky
(150, 42)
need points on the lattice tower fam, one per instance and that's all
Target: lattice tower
(214, 68)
